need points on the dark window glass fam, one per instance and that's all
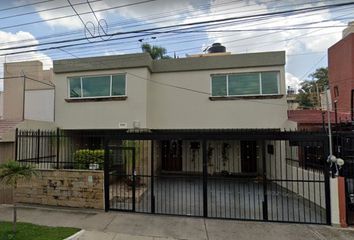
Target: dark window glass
(97, 86)
(75, 87)
(244, 84)
(218, 85)
(269, 82)
(118, 85)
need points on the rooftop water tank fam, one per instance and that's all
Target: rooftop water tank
(216, 48)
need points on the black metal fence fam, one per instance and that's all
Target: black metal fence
(265, 175)
(59, 149)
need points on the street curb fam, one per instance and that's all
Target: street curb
(75, 236)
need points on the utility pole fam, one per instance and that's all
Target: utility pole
(329, 125)
(24, 96)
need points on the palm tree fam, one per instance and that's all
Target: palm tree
(155, 52)
(10, 174)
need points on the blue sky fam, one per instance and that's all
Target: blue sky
(306, 48)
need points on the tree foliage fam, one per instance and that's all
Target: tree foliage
(308, 95)
(156, 52)
(11, 173)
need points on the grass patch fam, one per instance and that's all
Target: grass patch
(27, 231)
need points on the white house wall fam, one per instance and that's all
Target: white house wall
(103, 114)
(39, 105)
(158, 106)
(279, 168)
(175, 108)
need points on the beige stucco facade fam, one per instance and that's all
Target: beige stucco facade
(177, 108)
(14, 83)
(172, 94)
(103, 114)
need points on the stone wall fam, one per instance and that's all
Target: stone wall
(70, 188)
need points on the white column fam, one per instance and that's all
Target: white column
(334, 202)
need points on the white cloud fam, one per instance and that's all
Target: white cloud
(293, 41)
(292, 81)
(14, 39)
(74, 22)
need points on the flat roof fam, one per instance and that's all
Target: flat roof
(138, 60)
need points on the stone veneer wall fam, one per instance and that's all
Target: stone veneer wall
(70, 188)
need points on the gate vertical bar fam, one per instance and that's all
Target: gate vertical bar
(152, 178)
(327, 183)
(16, 144)
(265, 189)
(205, 179)
(58, 146)
(134, 180)
(38, 144)
(106, 174)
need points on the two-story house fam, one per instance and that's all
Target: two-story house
(228, 91)
(197, 136)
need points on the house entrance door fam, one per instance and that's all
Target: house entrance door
(248, 156)
(172, 155)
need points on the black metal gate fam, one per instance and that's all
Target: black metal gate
(279, 177)
(264, 175)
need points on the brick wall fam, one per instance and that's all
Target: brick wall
(70, 188)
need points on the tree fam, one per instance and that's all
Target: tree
(10, 174)
(320, 76)
(308, 95)
(155, 52)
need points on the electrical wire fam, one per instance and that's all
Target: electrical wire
(151, 29)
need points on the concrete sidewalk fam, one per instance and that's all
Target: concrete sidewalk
(118, 226)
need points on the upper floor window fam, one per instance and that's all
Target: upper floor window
(245, 84)
(97, 86)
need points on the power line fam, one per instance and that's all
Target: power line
(44, 10)
(74, 15)
(82, 21)
(168, 15)
(25, 5)
(165, 27)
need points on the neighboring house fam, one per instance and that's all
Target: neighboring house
(27, 102)
(310, 119)
(341, 74)
(36, 102)
(27, 99)
(291, 99)
(293, 103)
(341, 82)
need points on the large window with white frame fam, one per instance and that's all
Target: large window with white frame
(97, 86)
(245, 84)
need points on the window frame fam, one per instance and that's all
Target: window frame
(96, 97)
(244, 95)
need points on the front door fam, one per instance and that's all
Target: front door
(248, 156)
(171, 155)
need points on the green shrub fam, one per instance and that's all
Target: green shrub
(84, 157)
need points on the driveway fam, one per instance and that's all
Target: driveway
(228, 198)
(116, 225)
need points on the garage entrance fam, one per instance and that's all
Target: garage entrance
(229, 174)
